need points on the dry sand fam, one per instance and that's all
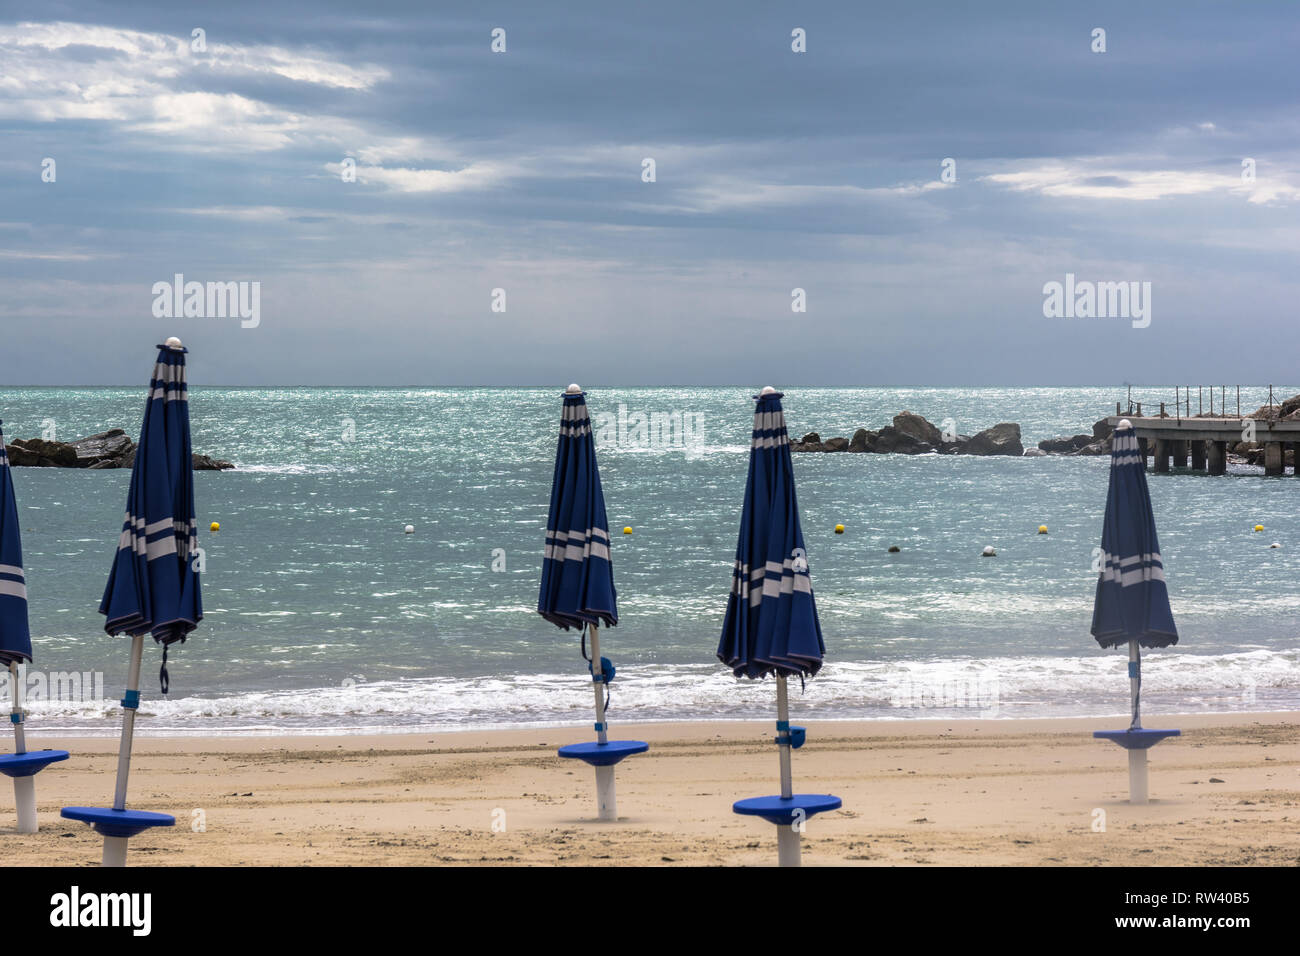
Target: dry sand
(1020, 792)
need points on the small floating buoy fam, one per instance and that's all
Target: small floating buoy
(627, 529)
(839, 529)
(988, 552)
(894, 549)
(1259, 527)
(214, 527)
(1275, 545)
(410, 529)
(1042, 529)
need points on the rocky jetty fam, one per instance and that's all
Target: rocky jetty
(1098, 443)
(913, 434)
(111, 449)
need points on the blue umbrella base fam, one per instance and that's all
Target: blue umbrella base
(606, 754)
(30, 763)
(1136, 739)
(781, 810)
(118, 823)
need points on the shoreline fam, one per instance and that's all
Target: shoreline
(143, 731)
(965, 791)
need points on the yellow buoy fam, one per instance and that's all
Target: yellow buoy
(627, 529)
(1259, 527)
(214, 526)
(1042, 529)
(839, 529)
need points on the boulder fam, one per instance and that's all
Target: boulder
(18, 455)
(206, 463)
(1096, 448)
(1002, 439)
(1101, 430)
(835, 444)
(48, 454)
(863, 440)
(1281, 409)
(1064, 445)
(110, 449)
(1035, 453)
(955, 447)
(892, 441)
(916, 426)
(810, 442)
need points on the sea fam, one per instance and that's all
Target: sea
(322, 615)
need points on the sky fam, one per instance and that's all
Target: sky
(413, 207)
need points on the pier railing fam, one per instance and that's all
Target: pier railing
(1228, 404)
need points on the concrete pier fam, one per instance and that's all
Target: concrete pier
(1207, 441)
(1160, 459)
(1218, 463)
(1273, 458)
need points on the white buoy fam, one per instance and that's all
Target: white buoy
(410, 529)
(1275, 545)
(988, 552)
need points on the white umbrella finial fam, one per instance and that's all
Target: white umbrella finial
(767, 390)
(174, 343)
(574, 389)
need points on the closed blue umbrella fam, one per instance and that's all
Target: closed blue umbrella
(577, 588)
(771, 625)
(1131, 606)
(16, 650)
(15, 638)
(153, 587)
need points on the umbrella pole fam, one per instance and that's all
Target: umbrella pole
(787, 835)
(24, 787)
(1137, 758)
(16, 715)
(115, 847)
(606, 798)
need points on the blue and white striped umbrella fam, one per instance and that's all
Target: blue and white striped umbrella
(577, 576)
(15, 638)
(154, 586)
(771, 625)
(1132, 603)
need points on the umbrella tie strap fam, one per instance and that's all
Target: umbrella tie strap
(606, 675)
(163, 679)
(1135, 673)
(132, 700)
(788, 736)
(585, 656)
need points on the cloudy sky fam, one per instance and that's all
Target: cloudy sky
(225, 160)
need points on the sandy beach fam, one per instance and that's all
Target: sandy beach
(984, 792)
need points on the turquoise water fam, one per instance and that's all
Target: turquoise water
(323, 615)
